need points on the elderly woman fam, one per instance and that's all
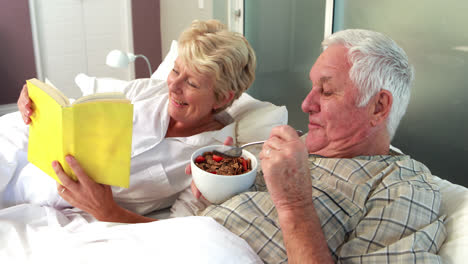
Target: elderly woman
(171, 119)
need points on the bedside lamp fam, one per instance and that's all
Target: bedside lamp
(120, 59)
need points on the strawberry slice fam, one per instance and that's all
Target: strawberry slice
(200, 159)
(244, 164)
(217, 158)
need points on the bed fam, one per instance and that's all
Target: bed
(31, 233)
(39, 234)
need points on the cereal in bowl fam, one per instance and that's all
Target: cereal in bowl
(223, 165)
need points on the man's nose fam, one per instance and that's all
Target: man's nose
(311, 103)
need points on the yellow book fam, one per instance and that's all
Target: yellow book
(96, 129)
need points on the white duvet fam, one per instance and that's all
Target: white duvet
(29, 236)
(32, 233)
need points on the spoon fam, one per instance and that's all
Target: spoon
(234, 152)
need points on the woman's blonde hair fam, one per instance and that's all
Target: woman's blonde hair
(208, 48)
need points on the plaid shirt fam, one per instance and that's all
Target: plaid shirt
(372, 209)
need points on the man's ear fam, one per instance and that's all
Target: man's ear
(382, 104)
(227, 98)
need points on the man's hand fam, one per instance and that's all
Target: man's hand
(286, 172)
(85, 193)
(284, 161)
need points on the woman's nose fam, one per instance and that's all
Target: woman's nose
(311, 103)
(175, 84)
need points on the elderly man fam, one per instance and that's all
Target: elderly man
(344, 195)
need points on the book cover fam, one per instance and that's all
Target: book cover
(96, 129)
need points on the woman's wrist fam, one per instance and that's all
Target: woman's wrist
(119, 214)
(112, 213)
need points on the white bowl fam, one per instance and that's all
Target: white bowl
(218, 188)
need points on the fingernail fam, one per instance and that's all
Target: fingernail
(68, 158)
(54, 163)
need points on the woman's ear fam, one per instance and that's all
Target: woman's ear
(382, 104)
(226, 99)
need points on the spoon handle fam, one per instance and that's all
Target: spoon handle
(252, 143)
(299, 133)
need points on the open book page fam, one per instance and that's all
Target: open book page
(113, 96)
(47, 81)
(53, 92)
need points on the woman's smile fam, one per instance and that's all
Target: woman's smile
(178, 103)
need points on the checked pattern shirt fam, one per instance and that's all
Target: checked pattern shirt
(372, 209)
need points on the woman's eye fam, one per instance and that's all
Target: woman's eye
(192, 84)
(175, 71)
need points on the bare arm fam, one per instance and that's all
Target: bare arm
(92, 197)
(286, 172)
(303, 236)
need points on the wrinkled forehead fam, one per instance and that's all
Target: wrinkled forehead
(333, 61)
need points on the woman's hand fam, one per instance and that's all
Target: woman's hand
(193, 187)
(85, 193)
(24, 105)
(188, 170)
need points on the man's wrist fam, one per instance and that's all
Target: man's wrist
(291, 214)
(302, 234)
(296, 207)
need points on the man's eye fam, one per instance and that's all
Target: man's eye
(326, 91)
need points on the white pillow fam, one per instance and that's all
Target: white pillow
(90, 85)
(255, 118)
(167, 64)
(455, 207)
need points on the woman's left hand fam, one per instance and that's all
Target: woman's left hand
(85, 193)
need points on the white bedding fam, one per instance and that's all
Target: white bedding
(41, 234)
(50, 233)
(31, 233)
(49, 236)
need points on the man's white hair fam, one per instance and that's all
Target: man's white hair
(377, 63)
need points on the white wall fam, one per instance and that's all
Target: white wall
(177, 15)
(75, 36)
